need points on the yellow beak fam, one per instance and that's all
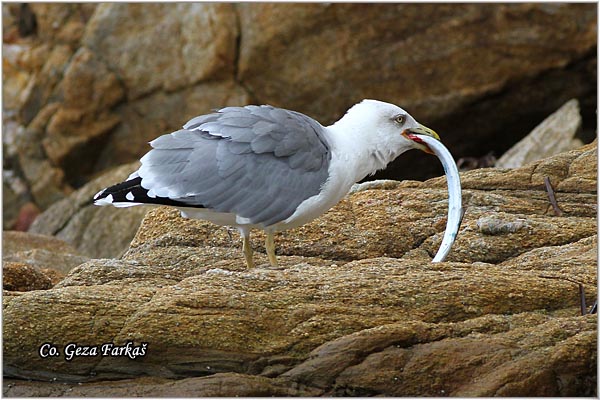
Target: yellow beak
(423, 130)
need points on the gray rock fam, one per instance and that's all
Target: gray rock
(554, 135)
(143, 53)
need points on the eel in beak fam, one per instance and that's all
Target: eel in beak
(429, 142)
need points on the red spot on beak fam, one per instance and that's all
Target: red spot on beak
(417, 139)
(414, 138)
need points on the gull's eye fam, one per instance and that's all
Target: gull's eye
(399, 119)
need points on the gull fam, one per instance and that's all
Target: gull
(263, 167)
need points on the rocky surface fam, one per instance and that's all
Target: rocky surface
(87, 85)
(32, 257)
(355, 307)
(554, 135)
(22, 277)
(14, 198)
(35, 262)
(433, 63)
(219, 385)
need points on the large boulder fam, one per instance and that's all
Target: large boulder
(87, 85)
(355, 308)
(466, 70)
(99, 81)
(502, 207)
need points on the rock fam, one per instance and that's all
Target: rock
(45, 81)
(444, 346)
(47, 183)
(221, 385)
(135, 41)
(16, 242)
(43, 182)
(93, 231)
(22, 277)
(64, 24)
(436, 64)
(27, 214)
(90, 84)
(16, 87)
(441, 360)
(40, 251)
(354, 308)
(35, 262)
(145, 119)
(568, 260)
(76, 124)
(14, 197)
(81, 91)
(9, 22)
(554, 135)
(11, 206)
(416, 51)
(54, 275)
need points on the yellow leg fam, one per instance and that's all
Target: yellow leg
(247, 248)
(270, 245)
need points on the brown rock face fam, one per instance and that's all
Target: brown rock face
(450, 65)
(355, 307)
(87, 85)
(76, 124)
(32, 262)
(22, 277)
(136, 41)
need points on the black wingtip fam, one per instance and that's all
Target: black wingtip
(131, 191)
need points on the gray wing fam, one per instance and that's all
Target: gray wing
(259, 162)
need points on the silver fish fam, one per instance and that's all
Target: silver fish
(455, 210)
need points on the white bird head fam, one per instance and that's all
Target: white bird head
(389, 125)
(382, 129)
